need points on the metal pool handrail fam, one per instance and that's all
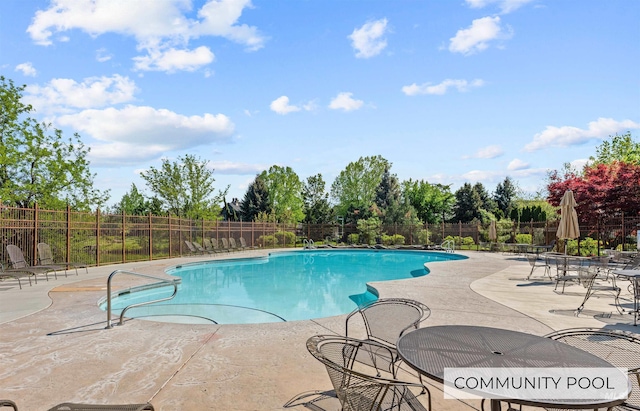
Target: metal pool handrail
(113, 274)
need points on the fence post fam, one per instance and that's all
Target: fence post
(170, 232)
(124, 238)
(98, 237)
(68, 233)
(150, 238)
(35, 234)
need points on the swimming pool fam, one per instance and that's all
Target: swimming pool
(285, 286)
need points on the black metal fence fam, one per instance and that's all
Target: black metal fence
(99, 239)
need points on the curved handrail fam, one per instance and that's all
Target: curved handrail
(172, 282)
(449, 246)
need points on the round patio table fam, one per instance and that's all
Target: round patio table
(634, 277)
(430, 350)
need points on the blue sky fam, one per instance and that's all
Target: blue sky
(447, 91)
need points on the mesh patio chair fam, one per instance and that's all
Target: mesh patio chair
(357, 384)
(67, 406)
(216, 246)
(233, 245)
(18, 264)
(567, 270)
(45, 257)
(8, 403)
(192, 249)
(201, 249)
(619, 348)
(536, 261)
(208, 246)
(244, 245)
(588, 278)
(225, 244)
(16, 275)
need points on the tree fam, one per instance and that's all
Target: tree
(468, 204)
(356, 185)
(432, 202)
(133, 203)
(285, 193)
(317, 209)
(186, 187)
(37, 164)
(255, 201)
(621, 148)
(389, 199)
(603, 191)
(504, 196)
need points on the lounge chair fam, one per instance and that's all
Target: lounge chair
(215, 246)
(18, 264)
(201, 249)
(8, 403)
(244, 245)
(45, 257)
(192, 249)
(225, 244)
(16, 275)
(233, 245)
(208, 246)
(622, 349)
(67, 406)
(364, 386)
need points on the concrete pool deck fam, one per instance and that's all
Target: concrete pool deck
(54, 346)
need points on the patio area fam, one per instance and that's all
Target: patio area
(54, 346)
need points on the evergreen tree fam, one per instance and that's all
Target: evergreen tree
(468, 204)
(317, 209)
(504, 196)
(389, 199)
(255, 201)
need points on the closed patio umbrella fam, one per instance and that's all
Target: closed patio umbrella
(493, 233)
(568, 229)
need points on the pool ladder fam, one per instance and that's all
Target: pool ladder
(174, 283)
(449, 246)
(308, 244)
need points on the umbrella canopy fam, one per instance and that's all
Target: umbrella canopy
(568, 229)
(493, 233)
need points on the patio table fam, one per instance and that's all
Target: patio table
(430, 350)
(634, 277)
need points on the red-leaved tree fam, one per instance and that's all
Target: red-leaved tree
(603, 191)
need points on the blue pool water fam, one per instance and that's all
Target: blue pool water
(285, 286)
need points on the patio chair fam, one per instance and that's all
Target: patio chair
(225, 244)
(16, 275)
(356, 384)
(588, 276)
(244, 245)
(209, 247)
(8, 403)
(192, 249)
(67, 406)
(387, 319)
(201, 249)
(45, 257)
(567, 269)
(233, 245)
(535, 261)
(619, 348)
(18, 264)
(216, 246)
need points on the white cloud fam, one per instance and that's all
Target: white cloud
(231, 168)
(368, 40)
(140, 132)
(27, 69)
(442, 88)
(506, 6)
(488, 152)
(476, 38)
(102, 55)
(281, 106)
(63, 95)
(568, 136)
(517, 164)
(166, 31)
(171, 60)
(344, 101)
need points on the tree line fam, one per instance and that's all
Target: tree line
(39, 165)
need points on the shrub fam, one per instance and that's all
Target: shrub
(423, 236)
(286, 238)
(468, 241)
(397, 239)
(266, 241)
(523, 238)
(369, 229)
(588, 247)
(353, 238)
